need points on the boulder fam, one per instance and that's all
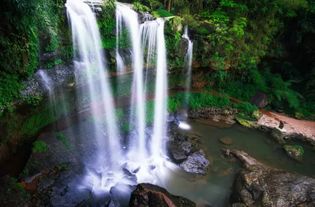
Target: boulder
(260, 185)
(184, 149)
(148, 195)
(196, 163)
(179, 151)
(296, 152)
(260, 100)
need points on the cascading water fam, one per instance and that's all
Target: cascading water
(107, 162)
(145, 152)
(119, 59)
(161, 95)
(92, 80)
(187, 73)
(137, 148)
(148, 32)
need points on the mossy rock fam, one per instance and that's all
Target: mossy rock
(296, 152)
(256, 114)
(246, 123)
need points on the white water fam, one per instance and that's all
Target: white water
(145, 155)
(160, 109)
(93, 78)
(137, 150)
(148, 32)
(187, 74)
(47, 82)
(119, 60)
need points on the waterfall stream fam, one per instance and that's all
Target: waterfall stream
(145, 155)
(187, 75)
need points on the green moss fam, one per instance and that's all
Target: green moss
(39, 147)
(245, 123)
(65, 141)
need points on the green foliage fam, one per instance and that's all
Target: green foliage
(27, 28)
(162, 13)
(246, 110)
(39, 147)
(137, 6)
(62, 138)
(9, 89)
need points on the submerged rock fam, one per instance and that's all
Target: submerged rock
(226, 140)
(196, 163)
(147, 195)
(260, 185)
(294, 151)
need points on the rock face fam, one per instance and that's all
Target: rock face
(216, 114)
(283, 128)
(259, 185)
(147, 195)
(184, 150)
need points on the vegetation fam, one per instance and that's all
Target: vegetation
(28, 29)
(39, 147)
(248, 44)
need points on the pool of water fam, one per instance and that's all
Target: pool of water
(215, 188)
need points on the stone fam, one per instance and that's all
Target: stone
(196, 163)
(148, 195)
(296, 152)
(261, 185)
(260, 100)
(226, 140)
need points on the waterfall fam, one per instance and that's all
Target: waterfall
(148, 46)
(91, 76)
(160, 106)
(119, 60)
(130, 19)
(187, 73)
(106, 164)
(148, 31)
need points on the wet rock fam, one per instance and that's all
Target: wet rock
(184, 149)
(226, 115)
(260, 100)
(226, 140)
(147, 195)
(179, 151)
(260, 185)
(196, 163)
(296, 152)
(61, 76)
